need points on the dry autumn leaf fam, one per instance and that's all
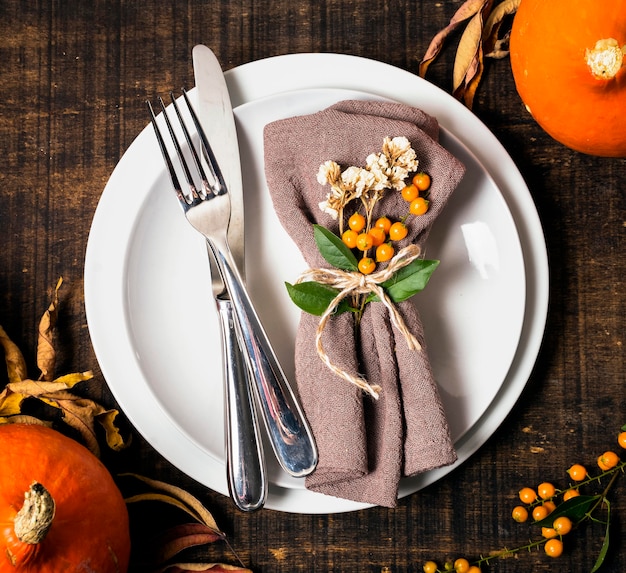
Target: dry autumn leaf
(213, 567)
(181, 537)
(479, 40)
(16, 365)
(466, 11)
(176, 539)
(78, 412)
(46, 354)
(468, 64)
(177, 497)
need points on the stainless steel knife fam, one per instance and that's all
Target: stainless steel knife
(289, 433)
(245, 462)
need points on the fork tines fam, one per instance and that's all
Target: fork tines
(207, 188)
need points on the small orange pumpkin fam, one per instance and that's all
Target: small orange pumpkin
(568, 62)
(60, 510)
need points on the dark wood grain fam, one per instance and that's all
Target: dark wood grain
(74, 77)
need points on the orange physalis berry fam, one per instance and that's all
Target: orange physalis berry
(378, 236)
(527, 495)
(540, 512)
(546, 490)
(418, 206)
(520, 514)
(349, 238)
(357, 222)
(384, 252)
(577, 472)
(553, 547)
(549, 505)
(367, 265)
(621, 440)
(383, 223)
(461, 565)
(409, 193)
(421, 181)
(364, 242)
(548, 532)
(474, 569)
(608, 460)
(570, 493)
(398, 231)
(562, 525)
(430, 567)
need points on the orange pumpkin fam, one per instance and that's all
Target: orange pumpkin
(568, 62)
(60, 510)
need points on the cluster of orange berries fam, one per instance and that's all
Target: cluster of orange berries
(540, 502)
(384, 232)
(461, 565)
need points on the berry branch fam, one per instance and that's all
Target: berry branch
(556, 520)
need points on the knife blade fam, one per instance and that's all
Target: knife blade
(216, 113)
(245, 462)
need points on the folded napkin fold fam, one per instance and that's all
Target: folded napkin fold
(365, 445)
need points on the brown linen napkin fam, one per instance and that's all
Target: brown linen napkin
(365, 445)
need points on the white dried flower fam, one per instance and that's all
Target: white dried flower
(326, 208)
(378, 166)
(357, 180)
(329, 172)
(400, 152)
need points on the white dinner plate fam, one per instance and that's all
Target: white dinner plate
(147, 286)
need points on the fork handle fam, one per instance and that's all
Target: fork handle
(245, 463)
(288, 430)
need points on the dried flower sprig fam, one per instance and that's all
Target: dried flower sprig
(556, 512)
(388, 169)
(350, 283)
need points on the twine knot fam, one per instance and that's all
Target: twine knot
(355, 283)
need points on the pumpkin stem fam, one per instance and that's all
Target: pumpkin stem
(606, 58)
(33, 521)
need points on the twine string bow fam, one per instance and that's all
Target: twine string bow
(354, 283)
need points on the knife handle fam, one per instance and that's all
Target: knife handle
(289, 433)
(245, 463)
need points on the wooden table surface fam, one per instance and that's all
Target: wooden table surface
(74, 78)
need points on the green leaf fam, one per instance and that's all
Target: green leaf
(314, 297)
(408, 280)
(575, 508)
(605, 544)
(333, 249)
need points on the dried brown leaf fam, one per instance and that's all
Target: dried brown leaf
(11, 403)
(46, 354)
(492, 27)
(16, 365)
(25, 419)
(467, 10)
(114, 438)
(77, 412)
(177, 497)
(469, 51)
(176, 539)
(213, 567)
(480, 39)
(473, 82)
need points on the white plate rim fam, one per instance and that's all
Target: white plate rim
(301, 71)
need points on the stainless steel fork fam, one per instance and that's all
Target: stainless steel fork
(207, 208)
